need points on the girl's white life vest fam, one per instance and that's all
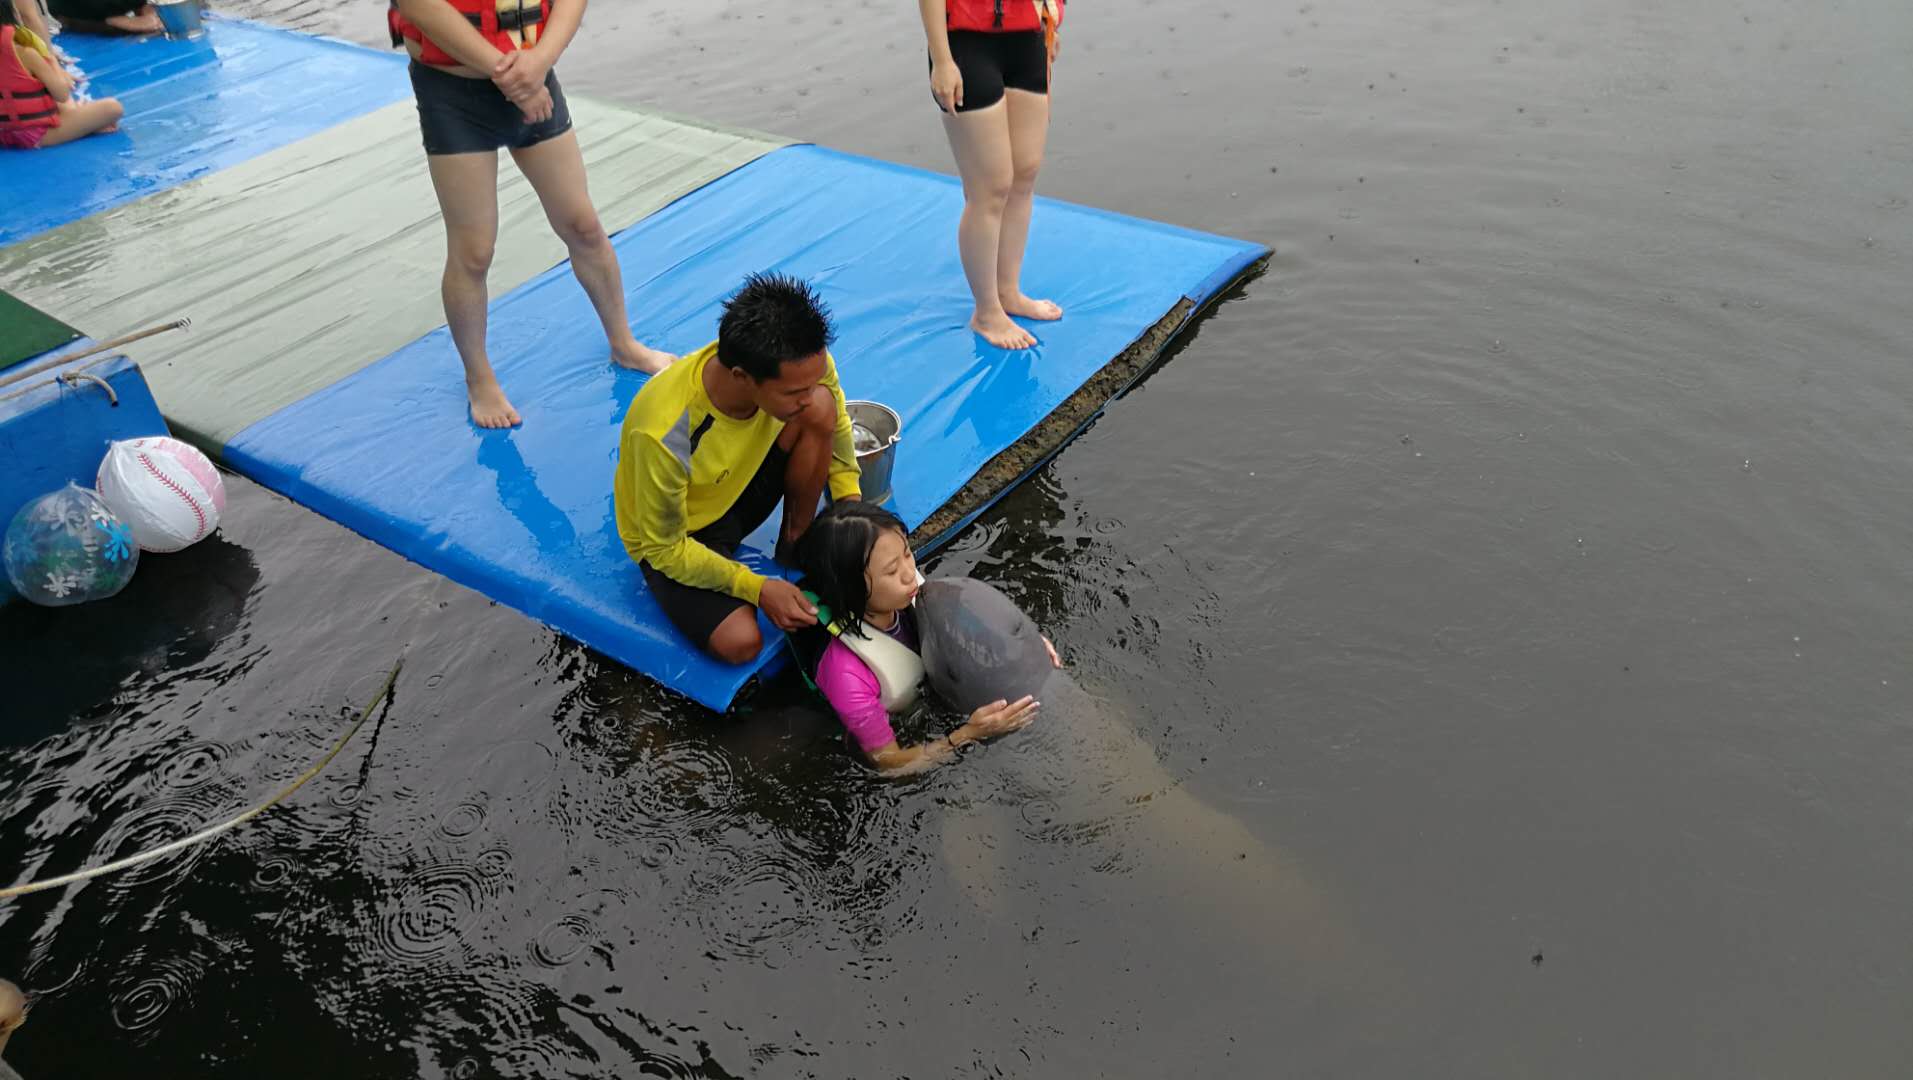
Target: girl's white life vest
(899, 670)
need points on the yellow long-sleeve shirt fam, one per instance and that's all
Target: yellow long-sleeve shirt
(682, 463)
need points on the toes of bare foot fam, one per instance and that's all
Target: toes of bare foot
(1004, 335)
(506, 419)
(641, 358)
(491, 409)
(1042, 310)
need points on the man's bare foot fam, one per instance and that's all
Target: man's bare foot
(1040, 310)
(641, 357)
(146, 22)
(490, 407)
(1003, 333)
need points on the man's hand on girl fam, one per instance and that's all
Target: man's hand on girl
(786, 605)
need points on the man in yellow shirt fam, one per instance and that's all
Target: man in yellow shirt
(711, 444)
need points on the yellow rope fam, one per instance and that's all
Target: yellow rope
(214, 830)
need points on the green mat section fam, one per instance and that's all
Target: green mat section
(303, 266)
(27, 331)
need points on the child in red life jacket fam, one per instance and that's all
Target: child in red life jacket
(36, 97)
(482, 71)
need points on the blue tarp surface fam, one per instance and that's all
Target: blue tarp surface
(525, 516)
(192, 107)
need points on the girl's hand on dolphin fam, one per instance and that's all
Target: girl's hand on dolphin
(1002, 717)
(1053, 658)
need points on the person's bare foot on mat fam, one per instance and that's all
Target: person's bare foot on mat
(1040, 310)
(630, 354)
(145, 21)
(490, 407)
(1003, 333)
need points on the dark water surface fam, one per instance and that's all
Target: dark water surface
(1523, 560)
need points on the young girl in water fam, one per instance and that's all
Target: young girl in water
(36, 97)
(856, 559)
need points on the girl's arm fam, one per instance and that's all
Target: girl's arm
(998, 718)
(50, 76)
(936, 28)
(946, 82)
(558, 31)
(33, 18)
(441, 22)
(857, 699)
(523, 71)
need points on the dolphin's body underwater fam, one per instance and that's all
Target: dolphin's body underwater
(1094, 782)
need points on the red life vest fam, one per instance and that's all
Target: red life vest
(24, 100)
(496, 20)
(1000, 16)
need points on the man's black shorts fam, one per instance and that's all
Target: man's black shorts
(697, 612)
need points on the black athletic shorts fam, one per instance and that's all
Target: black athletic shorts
(990, 62)
(458, 115)
(697, 612)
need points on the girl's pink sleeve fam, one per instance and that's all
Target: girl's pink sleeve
(853, 691)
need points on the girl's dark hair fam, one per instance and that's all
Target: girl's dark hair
(772, 320)
(8, 17)
(834, 551)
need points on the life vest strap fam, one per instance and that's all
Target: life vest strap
(510, 18)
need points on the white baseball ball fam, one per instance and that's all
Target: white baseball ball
(167, 491)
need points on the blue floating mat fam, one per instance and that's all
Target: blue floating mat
(525, 516)
(192, 107)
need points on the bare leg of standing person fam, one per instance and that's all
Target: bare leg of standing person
(556, 169)
(980, 141)
(1029, 131)
(467, 186)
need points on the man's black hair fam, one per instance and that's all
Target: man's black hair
(772, 320)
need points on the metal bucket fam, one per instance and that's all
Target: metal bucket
(876, 463)
(180, 18)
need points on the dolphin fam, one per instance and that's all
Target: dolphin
(1081, 777)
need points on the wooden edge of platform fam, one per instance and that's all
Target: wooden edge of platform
(1068, 420)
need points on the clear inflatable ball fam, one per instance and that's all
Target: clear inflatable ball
(67, 547)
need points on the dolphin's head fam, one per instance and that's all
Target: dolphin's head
(978, 647)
